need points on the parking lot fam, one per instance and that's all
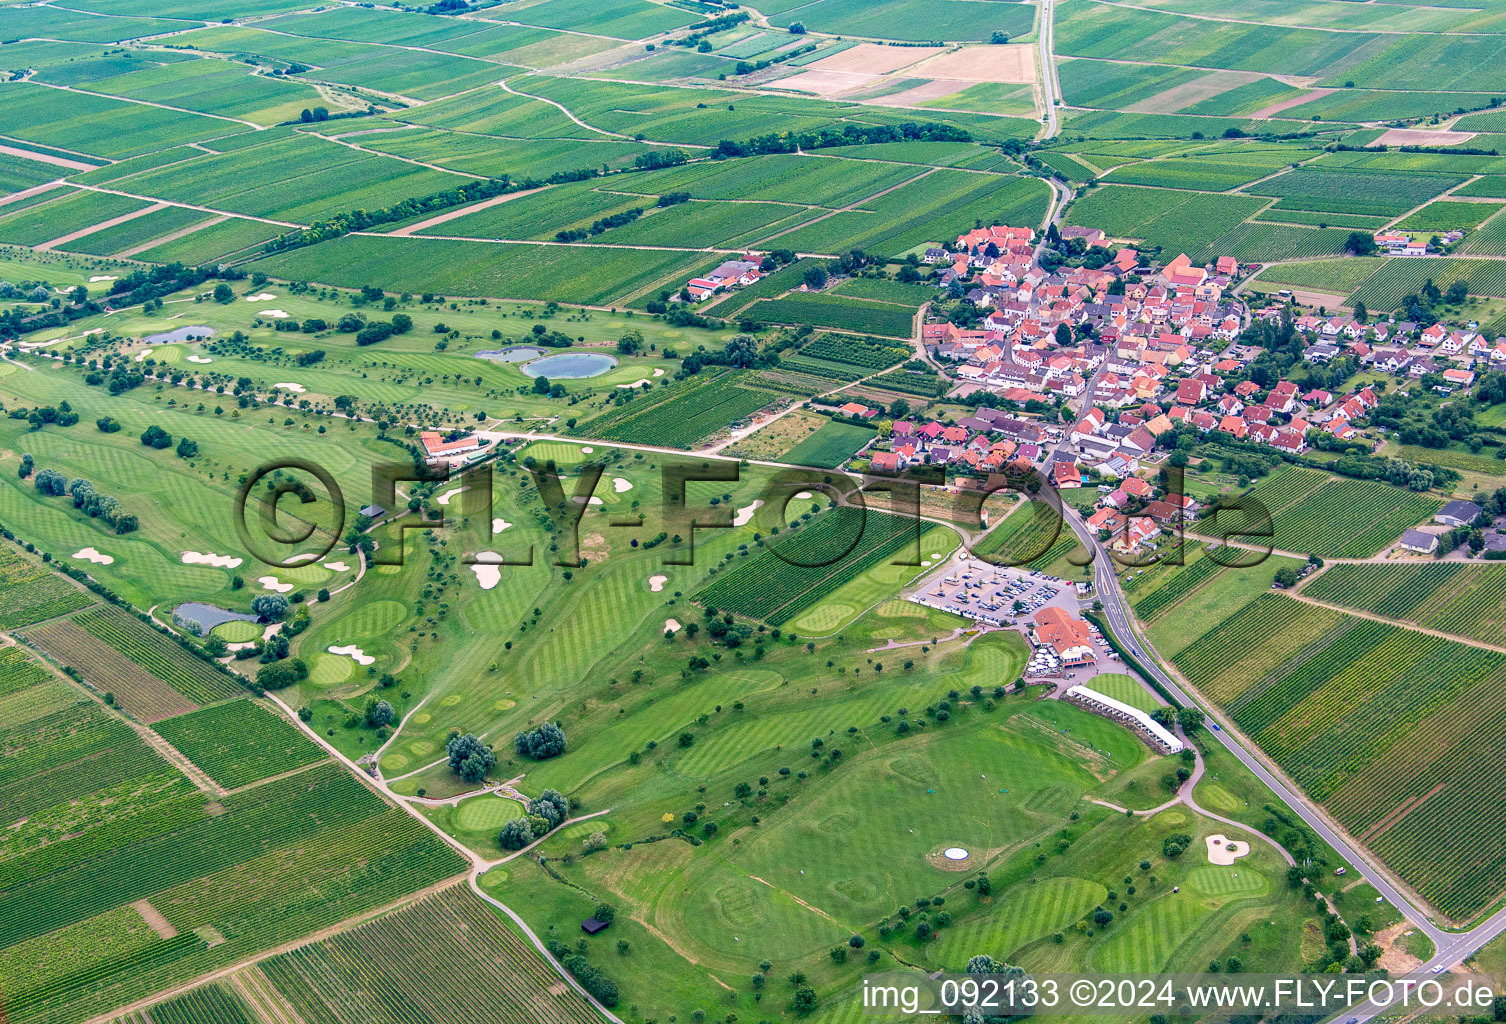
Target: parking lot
(1006, 597)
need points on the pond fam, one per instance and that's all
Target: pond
(201, 618)
(511, 354)
(181, 334)
(570, 366)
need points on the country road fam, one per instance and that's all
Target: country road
(1451, 947)
(1048, 70)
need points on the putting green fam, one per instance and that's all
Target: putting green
(394, 763)
(486, 813)
(1235, 880)
(237, 631)
(493, 878)
(823, 618)
(168, 354)
(1218, 798)
(581, 829)
(330, 669)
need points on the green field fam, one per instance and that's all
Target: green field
(830, 446)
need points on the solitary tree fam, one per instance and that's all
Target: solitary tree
(270, 607)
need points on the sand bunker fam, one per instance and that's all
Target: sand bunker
(91, 555)
(352, 651)
(143, 354)
(297, 389)
(273, 583)
(587, 449)
(673, 625)
(619, 484)
(656, 583)
(101, 277)
(449, 496)
(1224, 851)
(744, 515)
(218, 561)
(260, 297)
(498, 525)
(200, 359)
(594, 500)
(659, 372)
(636, 384)
(487, 575)
(337, 566)
(801, 496)
(274, 314)
(951, 858)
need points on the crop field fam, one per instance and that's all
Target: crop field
(98, 125)
(238, 742)
(1490, 185)
(134, 690)
(491, 972)
(1217, 173)
(911, 19)
(207, 1004)
(1356, 191)
(564, 273)
(216, 87)
(64, 215)
(900, 293)
(684, 413)
(1388, 287)
(728, 225)
(137, 232)
(830, 446)
(1322, 220)
(1032, 536)
(1176, 588)
(258, 869)
(1113, 86)
(1303, 671)
(211, 243)
(1185, 221)
(1489, 239)
(326, 179)
(1465, 600)
(817, 559)
(1447, 216)
(829, 181)
(30, 593)
(823, 310)
(939, 205)
(143, 646)
(1338, 276)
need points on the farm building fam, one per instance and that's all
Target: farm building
(1416, 540)
(1148, 728)
(1457, 513)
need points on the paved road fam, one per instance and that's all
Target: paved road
(1451, 947)
(1048, 72)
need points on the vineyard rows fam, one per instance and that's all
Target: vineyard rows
(279, 814)
(1465, 600)
(682, 414)
(238, 742)
(29, 593)
(1377, 721)
(1188, 579)
(136, 691)
(384, 971)
(1350, 518)
(845, 540)
(67, 754)
(868, 353)
(158, 655)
